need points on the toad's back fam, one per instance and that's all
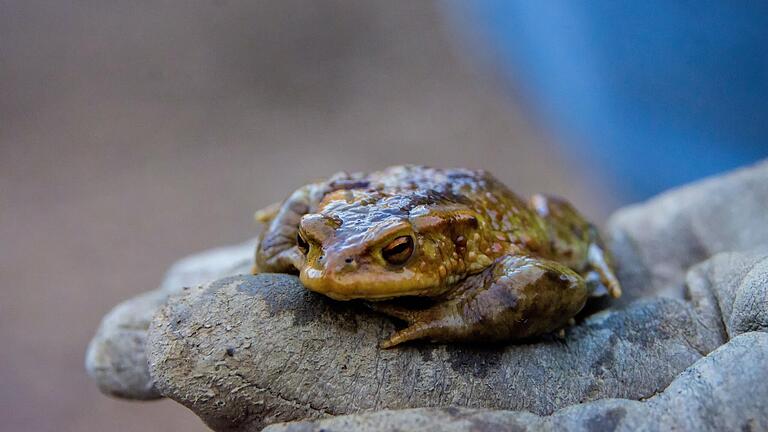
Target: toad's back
(505, 219)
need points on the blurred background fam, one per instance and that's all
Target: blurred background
(134, 133)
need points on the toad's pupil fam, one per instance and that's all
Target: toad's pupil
(399, 250)
(302, 244)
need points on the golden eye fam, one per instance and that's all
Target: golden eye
(398, 250)
(302, 243)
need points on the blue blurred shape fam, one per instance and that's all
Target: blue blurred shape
(656, 93)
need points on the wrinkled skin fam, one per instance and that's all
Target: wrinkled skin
(493, 266)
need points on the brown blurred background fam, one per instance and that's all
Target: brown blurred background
(133, 133)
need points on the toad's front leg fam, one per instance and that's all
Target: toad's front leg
(276, 251)
(517, 297)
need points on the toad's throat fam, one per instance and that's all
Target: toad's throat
(350, 286)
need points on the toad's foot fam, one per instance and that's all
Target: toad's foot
(517, 297)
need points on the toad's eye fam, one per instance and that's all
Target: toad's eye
(398, 250)
(302, 244)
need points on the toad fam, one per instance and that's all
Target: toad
(493, 266)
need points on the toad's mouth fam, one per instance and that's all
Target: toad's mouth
(363, 285)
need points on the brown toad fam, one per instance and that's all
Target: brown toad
(494, 266)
